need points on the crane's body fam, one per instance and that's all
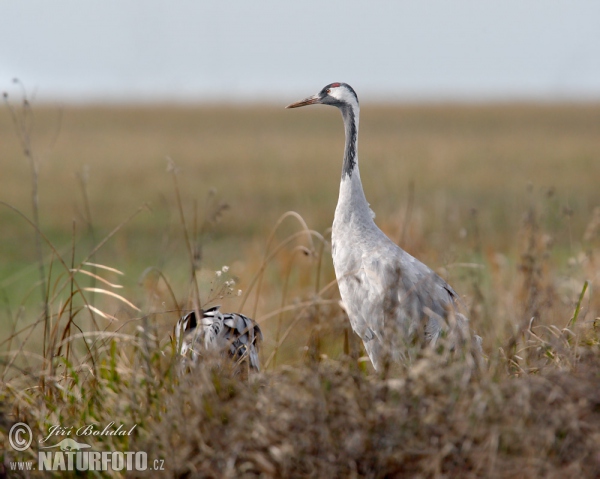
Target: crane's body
(231, 333)
(391, 298)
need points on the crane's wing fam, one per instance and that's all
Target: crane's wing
(243, 336)
(394, 296)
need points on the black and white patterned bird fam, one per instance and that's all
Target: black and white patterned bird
(230, 333)
(392, 299)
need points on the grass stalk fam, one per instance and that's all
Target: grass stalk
(573, 319)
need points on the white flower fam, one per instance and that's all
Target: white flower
(218, 273)
(225, 269)
(239, 292)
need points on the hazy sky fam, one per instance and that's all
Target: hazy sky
(194, 50)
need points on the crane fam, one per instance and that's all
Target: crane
(392, 299)
(233, 333)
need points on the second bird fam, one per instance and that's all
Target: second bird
(392, 299)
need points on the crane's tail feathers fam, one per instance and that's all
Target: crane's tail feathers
(232, 334)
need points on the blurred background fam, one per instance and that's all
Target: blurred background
(476, 118)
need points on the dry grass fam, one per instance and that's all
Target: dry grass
(519, 254)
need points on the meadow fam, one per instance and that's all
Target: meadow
(501, 200)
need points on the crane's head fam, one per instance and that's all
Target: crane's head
(336, 94)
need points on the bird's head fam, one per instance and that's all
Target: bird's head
(336, 94)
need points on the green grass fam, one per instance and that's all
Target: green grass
(500, 199)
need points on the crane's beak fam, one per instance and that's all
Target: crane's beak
(311, 100)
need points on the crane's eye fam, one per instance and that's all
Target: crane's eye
(328, 91)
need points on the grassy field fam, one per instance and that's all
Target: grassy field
(502, 200)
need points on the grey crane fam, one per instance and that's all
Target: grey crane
(232, 333)
(391, 298)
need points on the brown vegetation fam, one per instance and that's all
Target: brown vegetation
(504, 204)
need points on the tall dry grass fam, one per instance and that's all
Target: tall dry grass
(93, 348)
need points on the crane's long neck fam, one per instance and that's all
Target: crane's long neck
(350, 115)
(352, 204)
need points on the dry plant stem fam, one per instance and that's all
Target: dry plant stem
(167, 284)
(531, 284)
(268, 259)
(96, 277)
(48, 346)
(48, 318)
(20, 351)
(297, 306)
(573, 320)
(71, 273)
(13, 326)
(78, 269)
(319, 266)
(100, 334)
(68, 329)
(314, 342)
(281, 219)
(49, 330)
(82, 177)
(196, 290)
(297, 249)
(23, 122)
(111, 234)
(303, 307)
(197, 236)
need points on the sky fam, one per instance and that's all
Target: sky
(273, 51)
